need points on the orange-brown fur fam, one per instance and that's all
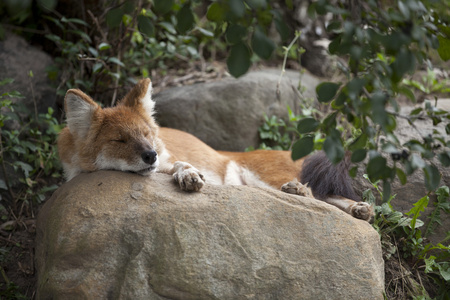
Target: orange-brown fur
(266, 164)
(127, 138)
(273, 167)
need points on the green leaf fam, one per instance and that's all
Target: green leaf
(386, 191)
(359, 143)
(281, 26)
(216, 12)
(29, 145)
(326, 91)
(335, 45)
(205, 32)
(444, 48)
(333, 147)
(340, 99)
(185, 19)
(74, 20)
(96, 67)
(104, 46)
(256, 4)
(408, 93)
(302, 147)
(353, 171)
(418, 207)
(168, 27)
(444, 158)
(237, 8)
(47, 5)
(307, 125)
(430, 264)
(235, 33)
(128, 6)
(432, 177)
(116, 61)
(354, 88)
(163, 6)
(261, 44)
(145, 25)
(401, 176)
(3, 185)
(6, 81)
(378, 103)
(404, 62)
(114, 17)
(376, 168)
(238, 61)
(359, 155)
(445, 273)
(329, 122)
(18, 149)
(369, 197)
(443, 193)
(26, 168)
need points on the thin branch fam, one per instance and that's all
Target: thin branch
(283, 68)
(97, 24)
(33, 95)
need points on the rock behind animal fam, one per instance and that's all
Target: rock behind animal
(226, 114)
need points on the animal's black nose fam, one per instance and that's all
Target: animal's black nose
(149, 157)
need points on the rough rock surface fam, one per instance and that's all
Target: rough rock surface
(226, 114)
(17, 59)
(115, 235)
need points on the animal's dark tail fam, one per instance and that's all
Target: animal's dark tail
(324, 178)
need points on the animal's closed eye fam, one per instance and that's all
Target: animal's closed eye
(119, 141)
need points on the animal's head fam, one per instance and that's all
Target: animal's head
(122, 138)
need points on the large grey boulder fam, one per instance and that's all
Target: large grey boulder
(17, 59)
(115, 235)
(226, 114)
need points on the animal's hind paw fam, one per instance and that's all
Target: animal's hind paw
(297, 188)
(189, 178)
(362, 210)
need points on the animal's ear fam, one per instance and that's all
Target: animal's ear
(80, 109)
(140, 97)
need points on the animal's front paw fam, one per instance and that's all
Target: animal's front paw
(296, 188)
(189, 178)
(362, 210)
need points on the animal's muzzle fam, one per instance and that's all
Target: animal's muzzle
(149, 157)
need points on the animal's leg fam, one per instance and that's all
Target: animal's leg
(296, 188)
(360, 210)
(189, 178)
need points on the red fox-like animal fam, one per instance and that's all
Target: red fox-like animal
(127, 138)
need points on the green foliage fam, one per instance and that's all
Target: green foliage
(28, 148)
(128, 42)
(8, 289)
(294, 133)
(441, 204)
(276, 134)
(11, 291)
(19, 12)
(246, 25)
(429, 84)
(394, 226)
(383, 45)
